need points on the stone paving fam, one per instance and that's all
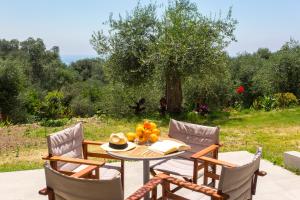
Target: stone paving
(279, 184)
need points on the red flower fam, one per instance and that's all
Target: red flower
(240, 90)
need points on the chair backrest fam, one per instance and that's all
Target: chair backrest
(197, 136)
(66, 187)
(237, 182)
(67, 143)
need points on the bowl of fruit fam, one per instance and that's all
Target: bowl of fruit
(146, 132)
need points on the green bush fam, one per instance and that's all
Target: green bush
(195, 118)
(266, 103)
(54, 122)
(82, 106)
(285, 100)
(52, 107)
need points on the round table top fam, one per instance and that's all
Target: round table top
(141, 152)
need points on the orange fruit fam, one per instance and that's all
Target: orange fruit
(131, 136)
(147, 132)
(147, 125)
(142, 139)
(153, 138)
(153, 125)
(156, 131)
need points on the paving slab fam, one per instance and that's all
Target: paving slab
(278, 184)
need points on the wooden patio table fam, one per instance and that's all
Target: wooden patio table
(142, 153)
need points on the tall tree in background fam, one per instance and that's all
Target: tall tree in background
(181, 44)
(189, 43)
(127, 45)
(10, 87)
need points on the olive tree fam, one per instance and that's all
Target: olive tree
(181, 43)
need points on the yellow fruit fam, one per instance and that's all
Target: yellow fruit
(156, 131)
(153, 138)
(131, 136)
(139, 128)
(139, 133)
(147, 125)
(153, 125)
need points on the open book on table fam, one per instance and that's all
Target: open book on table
(168, 146)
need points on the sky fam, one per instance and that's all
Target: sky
(69, 24)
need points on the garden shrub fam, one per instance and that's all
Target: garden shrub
(279, 100)
(195, 117)
(82, 106)
(54, 122)
(52, 107)
(266, 103)
(285, 100)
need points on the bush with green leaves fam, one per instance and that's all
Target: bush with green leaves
(54, 122)
(285, 100)
(194, 117)
(52, 107)
(82, 106)
(11, 85)
(213, 89)
(266, 103)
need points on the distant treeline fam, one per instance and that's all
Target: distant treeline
(35, 84)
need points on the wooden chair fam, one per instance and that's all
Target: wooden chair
(203, 140)
(235, 182)
(78, 187)
(68, 153)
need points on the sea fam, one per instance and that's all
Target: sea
(68, 59)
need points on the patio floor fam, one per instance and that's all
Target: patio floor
(278, 184)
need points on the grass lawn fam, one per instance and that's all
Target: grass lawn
(21, 146)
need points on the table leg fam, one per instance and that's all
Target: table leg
(146, 175)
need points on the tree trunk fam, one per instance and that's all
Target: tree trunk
(173, 93)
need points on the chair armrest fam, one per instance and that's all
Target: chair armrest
(205, 151)
(216, 162)
(261, 173)
(92, 142)
(141, 192)
(85, 171)
(194, 187)
(74, 160)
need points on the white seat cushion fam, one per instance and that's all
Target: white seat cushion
(107, 172)
(176, 166)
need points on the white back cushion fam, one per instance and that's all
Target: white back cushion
(67, 143)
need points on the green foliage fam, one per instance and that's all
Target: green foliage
(52, 107)
(56, 75)
(181, 44)
(54, 122)
(10, 87)
(279, 100)
(82, 106)
(266, 103)
(128, 44)
(285, 100)
(287, 68)
(31, 101)
(213, 89)
(89, 69)
(194, 117)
